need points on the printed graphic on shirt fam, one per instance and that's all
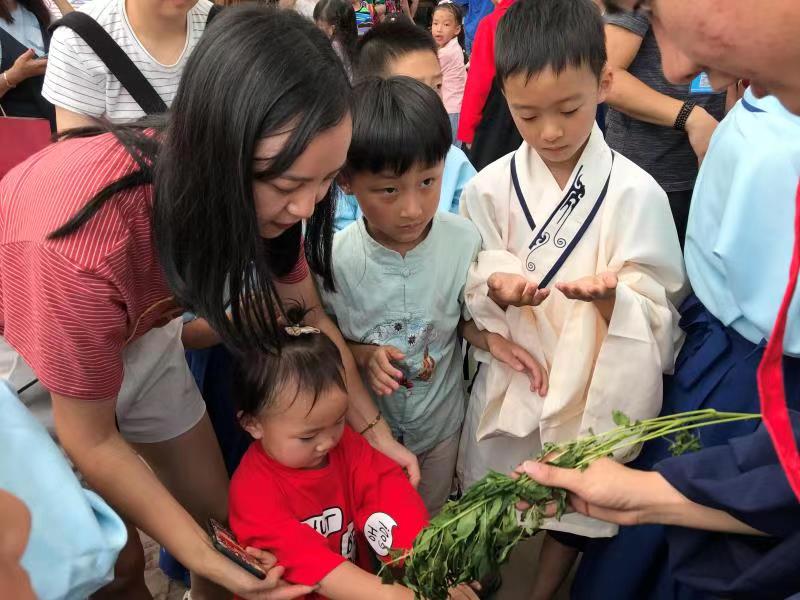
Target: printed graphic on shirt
(349, 542)
(378, 531)
(408, 335)
(701, 85)
(328, 523)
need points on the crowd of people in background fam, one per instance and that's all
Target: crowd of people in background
(314, 269)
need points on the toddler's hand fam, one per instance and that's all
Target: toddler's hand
(593, 287)
(507, 289)
(519, 359)
(462, 592)
(382, 375)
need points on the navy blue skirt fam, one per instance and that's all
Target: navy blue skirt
(715, 369)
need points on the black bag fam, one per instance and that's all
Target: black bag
(496, 134)
(119, 63)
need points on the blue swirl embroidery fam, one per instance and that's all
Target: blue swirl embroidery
(557, 220)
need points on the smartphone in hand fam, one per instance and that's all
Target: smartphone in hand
(225, 542)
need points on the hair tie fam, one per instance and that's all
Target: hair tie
(445, 2)
(298, 330)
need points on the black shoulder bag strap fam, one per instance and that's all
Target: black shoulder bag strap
(119, 63)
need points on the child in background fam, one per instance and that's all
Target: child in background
(579, 263)
(400, 274)
(338, 20)
(309, 486)
(402, 48)
(446, 28)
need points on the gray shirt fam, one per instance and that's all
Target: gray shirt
(661, 151)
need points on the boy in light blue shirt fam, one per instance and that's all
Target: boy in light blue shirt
(402, 48)
(400, 273)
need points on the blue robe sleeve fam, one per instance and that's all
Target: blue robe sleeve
(744, 479)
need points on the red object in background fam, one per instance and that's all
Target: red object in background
(481, 72)
(770, 376)
(20, 137)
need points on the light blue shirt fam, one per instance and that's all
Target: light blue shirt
(457, 173)
(25, 29)
(741, 224)
(75, 536)
(413, 303)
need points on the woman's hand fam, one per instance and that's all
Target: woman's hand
(243, 584)
(611, 492)
(462, 592)
(606, 490)
(25, 67)
(700, 127)
(507, 289)
(382, 375)
(519, 359)
(380, 438)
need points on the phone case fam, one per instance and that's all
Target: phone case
(225, 542)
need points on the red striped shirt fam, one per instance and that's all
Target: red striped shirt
(69, 306)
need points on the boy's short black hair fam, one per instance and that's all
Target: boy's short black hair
(536, 34)
(397, 122)
(389, 41)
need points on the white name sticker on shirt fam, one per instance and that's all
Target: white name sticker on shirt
(329, 522)
(701, 85)
(378, 530)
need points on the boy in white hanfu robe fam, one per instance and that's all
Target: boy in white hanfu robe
(580, 262)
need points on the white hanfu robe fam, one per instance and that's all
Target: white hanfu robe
(611, 216)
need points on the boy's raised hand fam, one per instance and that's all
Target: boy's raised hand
(383, 376)
(508, 289)
(519, 359)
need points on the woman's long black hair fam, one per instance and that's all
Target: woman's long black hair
(256, 72)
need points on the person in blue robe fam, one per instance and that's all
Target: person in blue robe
(738, 249)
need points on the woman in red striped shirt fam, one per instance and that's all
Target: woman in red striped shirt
(105, 239)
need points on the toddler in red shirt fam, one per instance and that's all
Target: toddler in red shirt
(309, 489)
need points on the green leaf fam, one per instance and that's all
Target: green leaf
(621, 419)
(470, 538)
(466, 525)
(684, 442)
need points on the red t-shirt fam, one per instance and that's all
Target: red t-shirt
(310, 518)
(481, 73)
(69, 306)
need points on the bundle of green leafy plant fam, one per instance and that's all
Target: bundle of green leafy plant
(470, 538)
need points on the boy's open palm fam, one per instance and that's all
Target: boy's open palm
(384, 378)
(508, 289)
(590, 288)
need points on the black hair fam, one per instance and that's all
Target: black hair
(536, 34)
(309, 360)
(397, 122)
(340, 15)
(256, 71)
(453, 9)
(387, 42)
(37, 7)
